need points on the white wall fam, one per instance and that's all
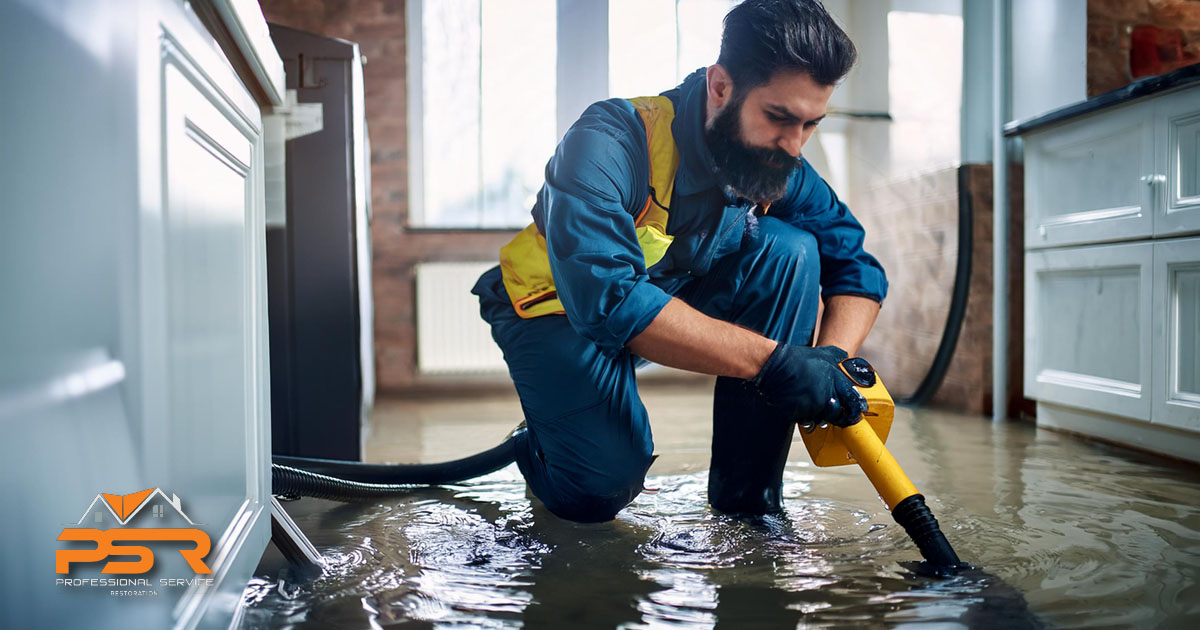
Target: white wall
(976, 118)
(1049, 65)
(1049, 55)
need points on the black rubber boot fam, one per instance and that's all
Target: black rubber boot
(749, 450)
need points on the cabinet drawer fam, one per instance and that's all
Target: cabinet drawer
(1177, 333)
(1177, 182)
(1090, 181)
(1088, 327)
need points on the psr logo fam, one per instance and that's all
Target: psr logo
(123, 508)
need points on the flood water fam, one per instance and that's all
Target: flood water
(1066, 534)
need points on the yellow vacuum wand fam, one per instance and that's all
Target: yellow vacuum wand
(862, 443)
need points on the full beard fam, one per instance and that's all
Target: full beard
(752, 173)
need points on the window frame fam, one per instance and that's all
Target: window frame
(581, 78)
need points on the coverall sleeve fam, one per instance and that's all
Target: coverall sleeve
(846, 268)
(599, 268)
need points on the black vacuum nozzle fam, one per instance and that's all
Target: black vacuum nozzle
(923, 529)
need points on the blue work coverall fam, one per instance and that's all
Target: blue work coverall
(588, 444)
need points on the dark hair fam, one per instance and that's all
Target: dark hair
(762, 37)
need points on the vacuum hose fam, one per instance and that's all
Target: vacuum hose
(286, 480)
(914, 516)
(340, 479)
(894, 487)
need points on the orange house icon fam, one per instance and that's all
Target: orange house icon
(123, 508)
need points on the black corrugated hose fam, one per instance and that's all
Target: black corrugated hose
(340, 479)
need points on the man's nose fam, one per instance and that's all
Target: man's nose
(792, 141)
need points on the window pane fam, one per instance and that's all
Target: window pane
(450, 110)
(641, 47)
(519, 128)
(925, 89)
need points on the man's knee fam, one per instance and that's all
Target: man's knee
(785, 240)
(592, 495)
(790, 261)
(588, 508)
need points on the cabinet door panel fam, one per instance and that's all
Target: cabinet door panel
(1178, 207)
(207, 168)
(1177, 333)
(201, 242)
(1088, 181)
(1088, 324)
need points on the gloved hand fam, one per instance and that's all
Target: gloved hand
(809, 383)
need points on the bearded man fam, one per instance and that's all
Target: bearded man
(686, 229)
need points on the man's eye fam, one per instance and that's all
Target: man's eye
(776, 117)
(812, 124)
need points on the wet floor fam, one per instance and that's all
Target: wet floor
(1067, 534)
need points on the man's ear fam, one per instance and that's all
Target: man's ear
(720, 87)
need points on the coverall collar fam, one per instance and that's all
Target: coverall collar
(697, 170)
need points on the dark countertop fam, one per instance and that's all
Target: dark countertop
(1142, 87)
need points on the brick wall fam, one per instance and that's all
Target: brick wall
(378, 27)
(1129, 39)
(972, 360)
(912, 227)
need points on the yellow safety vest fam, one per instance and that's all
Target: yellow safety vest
(524, 263)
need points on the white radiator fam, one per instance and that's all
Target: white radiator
(451, 336)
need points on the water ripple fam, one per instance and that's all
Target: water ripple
(1069, 535)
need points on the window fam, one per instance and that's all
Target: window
(655, 44)
(490, 91)
(483, 104)
(925, 89)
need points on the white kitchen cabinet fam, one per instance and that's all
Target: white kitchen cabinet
(1177, 176)
(1112, 284)
(1177, 333)
(133, 340)
(1088, 327)
(204, 234)
(1120, 174)
(1085, 180)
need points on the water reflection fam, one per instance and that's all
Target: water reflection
(1086, 535)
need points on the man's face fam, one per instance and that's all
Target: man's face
(756, 137)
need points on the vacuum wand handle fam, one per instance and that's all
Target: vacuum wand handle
(877, 462)
(899, 494)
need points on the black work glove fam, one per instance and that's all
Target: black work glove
(808, 382)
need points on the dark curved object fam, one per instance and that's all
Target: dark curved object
(286, 480)
(334, 478)
(916, 519)
(958, 299)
